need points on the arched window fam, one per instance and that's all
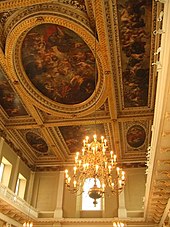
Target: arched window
(87, 202)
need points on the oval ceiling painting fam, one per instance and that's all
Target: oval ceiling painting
(136, 136)
(36, 142)
(59, 63)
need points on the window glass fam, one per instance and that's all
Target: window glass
(5, 171)
(20, 186)
(1, 171)
(87, 202)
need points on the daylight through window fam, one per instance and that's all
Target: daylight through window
(87, 202)
(5, 171)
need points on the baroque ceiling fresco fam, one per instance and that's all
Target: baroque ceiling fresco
(59, 64)
(135, 26)
(73, 68)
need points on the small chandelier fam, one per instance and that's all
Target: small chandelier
(28, 224)
(118, 224)
(94, 162)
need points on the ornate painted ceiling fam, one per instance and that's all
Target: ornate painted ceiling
(73, 68)
(69, 66)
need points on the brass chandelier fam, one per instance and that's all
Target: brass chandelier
(95, 162)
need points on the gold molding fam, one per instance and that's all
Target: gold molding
(43, 102)
(13, 4)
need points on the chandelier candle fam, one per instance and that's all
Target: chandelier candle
(97, 163)
(118, 224)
